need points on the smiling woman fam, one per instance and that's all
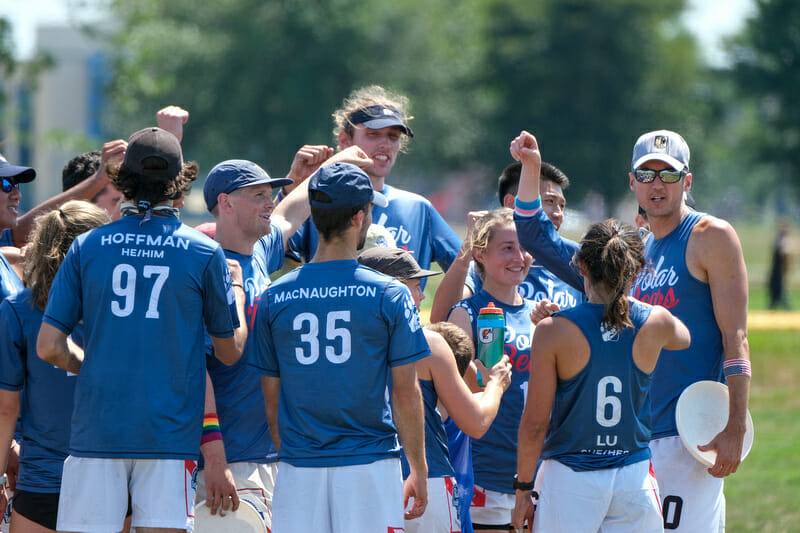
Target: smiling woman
(503, 265)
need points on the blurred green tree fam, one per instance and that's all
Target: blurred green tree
(766, 70)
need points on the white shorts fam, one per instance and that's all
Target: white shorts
(691, 497)
(94, 494)
(491, 508)
(252, 479)
(612, 500)
(440, 515)
(364, 498)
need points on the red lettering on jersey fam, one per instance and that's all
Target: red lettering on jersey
(657, 298)
(391, 529)
(519, 360)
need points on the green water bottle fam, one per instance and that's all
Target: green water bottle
(491, 335)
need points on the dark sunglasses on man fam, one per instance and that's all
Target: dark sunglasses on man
(8, 185)
(667, 176)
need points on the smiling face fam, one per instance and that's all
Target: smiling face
(504, 261)
(659, 199)
(9, 204)
(381, 145)
(251, 208)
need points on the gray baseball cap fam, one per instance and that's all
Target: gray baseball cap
(661, 145)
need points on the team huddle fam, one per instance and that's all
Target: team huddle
(147, 367)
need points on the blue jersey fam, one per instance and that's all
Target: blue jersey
(331, 332)
(9, 280)
(7, 238)
(435, 438)
(144, 291)
(601, 416)
(413, 222)
(494, 457)
(668, 283)
(46, 407)
(237, 388)
(538, 285)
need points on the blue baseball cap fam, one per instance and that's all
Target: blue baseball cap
(18, 173)
(234, 174)
(343, 185)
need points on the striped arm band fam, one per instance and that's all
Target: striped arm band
(211, 429)
(736, 367)
(527, 209)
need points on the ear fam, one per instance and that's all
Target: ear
(631, 180)
(359, 219)
(345, 140)
(224, 202)
(508, 201)
(687, 182)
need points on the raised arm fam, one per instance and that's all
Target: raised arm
(536, 232)
(171, 119)
(86, 190)
(452, 289)
(293, 210)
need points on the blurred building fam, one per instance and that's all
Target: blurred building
(49, 120)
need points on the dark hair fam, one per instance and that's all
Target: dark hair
(613, 255)
(79, 168)
(508, 182)
(460, 343)
(331, 223)
(154, 189)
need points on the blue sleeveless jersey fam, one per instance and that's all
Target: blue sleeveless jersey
(436, 453)
(46, 408)
(144, 291)
(413, 222)
(601, 416)
(237, 388)
(331, 332)
(494, 457)
(538, 285)
(668, 283)
(9, 280)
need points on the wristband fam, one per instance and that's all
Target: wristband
(237, 285)
(519, 485)
(527, 209)
(736, 367)
(210, 429)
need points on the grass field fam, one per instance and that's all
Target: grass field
(764, 495)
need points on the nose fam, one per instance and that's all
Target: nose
(15, 193)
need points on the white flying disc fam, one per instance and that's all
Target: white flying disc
(249, 518)
(701, 413)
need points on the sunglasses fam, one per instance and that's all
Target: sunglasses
(8, 185)
(667, 176)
